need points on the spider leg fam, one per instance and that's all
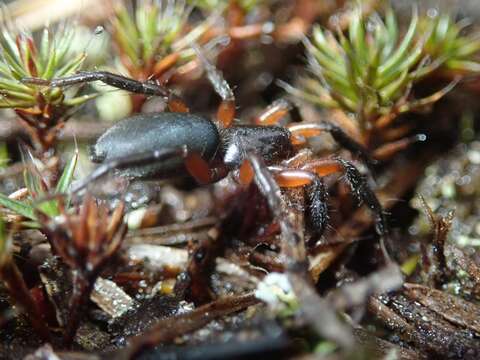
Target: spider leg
(315, 192)
(125, 162)
(274, 113)
(246, 32)
(302, 131)
(294, 30)
(323, 167)
(148, 88)
(269, 180)
(295, 259)
(201, 171)
(316, 206)
(364, 193)
(360, 189)
(358, 182)
(197, 167)
(317, 217)
(226, 110)
(266, 183)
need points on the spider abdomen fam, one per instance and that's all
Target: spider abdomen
(149, 132)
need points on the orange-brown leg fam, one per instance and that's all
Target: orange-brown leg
(284, 177)
(292, 31)
(175, 104)
(323, 167)
(198, 168)
(273, 113)
(246, 173)
(292, 178)
(226, 110)
(300, 132)
(270, 180)
(226, 113)
(315, 194)
(248, 32)
(201, 170)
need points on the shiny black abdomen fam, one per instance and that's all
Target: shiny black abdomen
(148, 132)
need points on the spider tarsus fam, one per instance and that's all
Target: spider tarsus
(317, 217)
(364, 194)
(346, 141)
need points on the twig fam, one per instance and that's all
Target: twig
(168, 329)
(18, 290)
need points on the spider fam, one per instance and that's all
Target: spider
(176, 143)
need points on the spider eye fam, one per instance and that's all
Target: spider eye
(95, 155)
